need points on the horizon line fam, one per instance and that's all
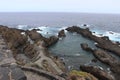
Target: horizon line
(55, 12)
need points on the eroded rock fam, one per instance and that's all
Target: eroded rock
(103, 42)
(100, 74)
(61, 33)
(86, 47)
(11, 72)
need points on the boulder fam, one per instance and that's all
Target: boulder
(94, 60)
(85, 46)
(61, 33)
(34, 35)
(51, 40)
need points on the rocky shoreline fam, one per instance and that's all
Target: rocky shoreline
(27, 52)
(102, 55)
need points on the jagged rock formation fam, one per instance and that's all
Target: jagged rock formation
(28, 48)
(106, 58)
(41, 73)
(100, 74)
(86, 47)
(103, 42)
(61, 33)
(8, 67)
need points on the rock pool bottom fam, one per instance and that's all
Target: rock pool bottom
(70, 51)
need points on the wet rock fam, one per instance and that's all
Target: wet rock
(61, 33)
(51, 40)
(85, 46)
(107, 58)
(110, 60)
(34, 35)
(94, 60)
(104, 56)
(100, 74)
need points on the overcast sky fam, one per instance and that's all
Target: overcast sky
(93, 6)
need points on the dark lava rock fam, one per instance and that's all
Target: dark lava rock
(11, 73)
(29, 50)
(18, 42)
(61, 33)
(103, 42)
(107, 58)
(51, 40)
(34, 35)
(94, 60)
(85, 46)
(104, 57)
(17, 39)
(100, 74)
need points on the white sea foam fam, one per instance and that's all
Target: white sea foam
(97, 34)
(113, 35)
(22, 26)
(100, 67)
(77, 54)
(23, 33)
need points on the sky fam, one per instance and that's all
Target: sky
(89, 6)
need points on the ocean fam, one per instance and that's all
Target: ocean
(68, 48)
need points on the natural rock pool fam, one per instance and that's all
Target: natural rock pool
(69, 49)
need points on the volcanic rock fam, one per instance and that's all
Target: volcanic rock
(51, 40)
(100, 74)
(103, 42)
(11, 72)
(61, 33)
(107, 58)
(34, 35)
(86, 47)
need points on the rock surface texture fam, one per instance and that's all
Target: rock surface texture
(102, 55)
(8, 67)
(24, 56)
(103, 42)
(61, 33)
